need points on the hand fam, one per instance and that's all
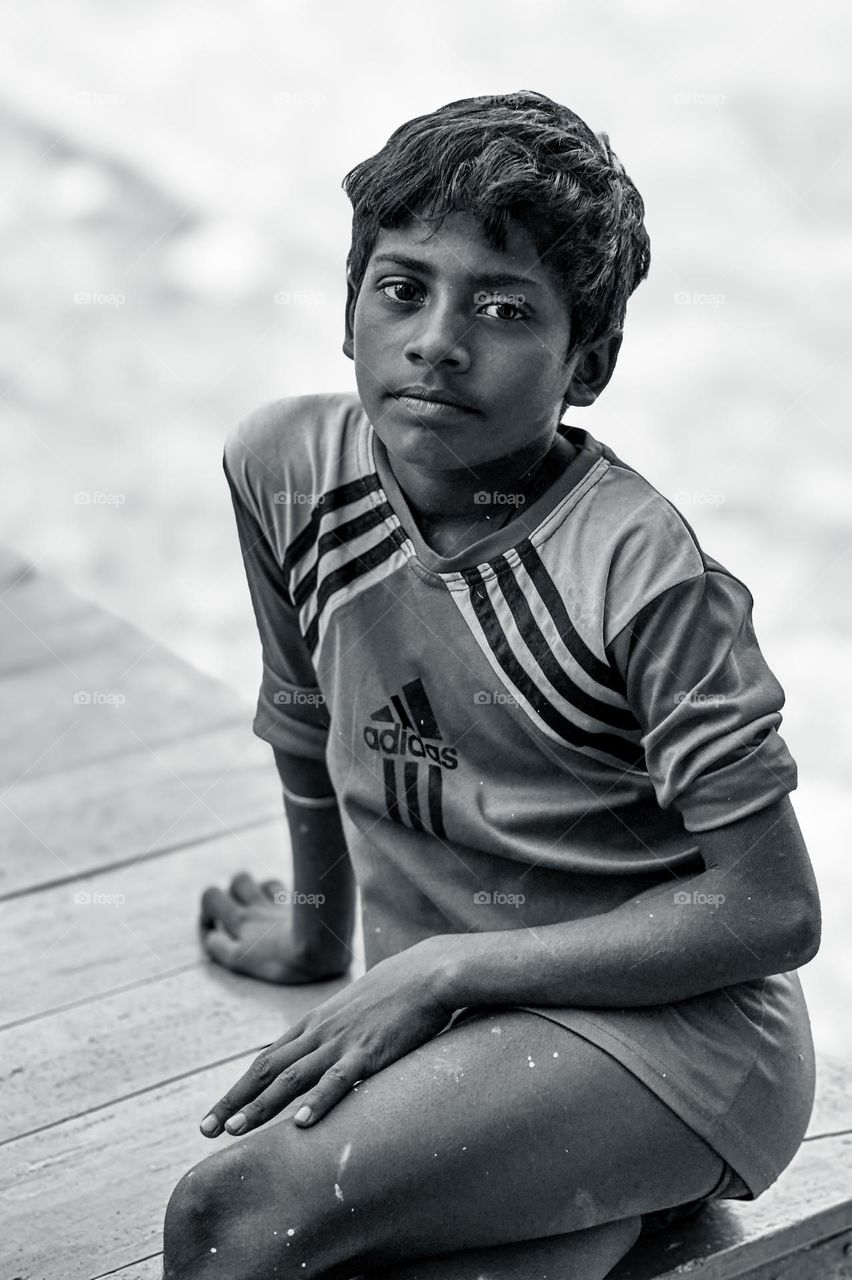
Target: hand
(252, 929)
(392, 1009)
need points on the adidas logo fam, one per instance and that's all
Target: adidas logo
(405, 733)
(411, 720)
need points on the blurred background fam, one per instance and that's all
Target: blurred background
(172, 244)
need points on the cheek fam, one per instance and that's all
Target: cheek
(372, 341)
(533, 377)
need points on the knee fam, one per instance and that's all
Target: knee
(230, 1216)
(201, 1223)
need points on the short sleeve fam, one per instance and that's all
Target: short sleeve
(708, 705)
(291, 712)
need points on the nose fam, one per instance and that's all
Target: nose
(438, 337)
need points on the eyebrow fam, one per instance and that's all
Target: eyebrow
(492, 279)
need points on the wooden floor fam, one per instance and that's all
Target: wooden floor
(128, 782)
(116, 1033)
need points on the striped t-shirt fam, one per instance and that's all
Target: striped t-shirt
(532, 730)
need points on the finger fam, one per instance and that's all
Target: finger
(235, 954)
(220, 946)
(334, 1085)
(219, 908)
(267, 1066)
(273, 1079)
(271, 887)
(244, 888)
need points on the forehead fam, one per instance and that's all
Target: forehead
(457, 246)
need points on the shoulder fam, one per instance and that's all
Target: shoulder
(627, 544)
(294, 435)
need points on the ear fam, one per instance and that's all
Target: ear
(593, 366)
(349, 321)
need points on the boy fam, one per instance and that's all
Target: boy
(513, 699)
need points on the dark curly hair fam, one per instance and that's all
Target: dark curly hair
(520, 156)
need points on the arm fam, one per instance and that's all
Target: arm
(321, 865)
(266, 931)
(760, 916)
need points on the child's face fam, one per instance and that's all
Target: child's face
(429, 314)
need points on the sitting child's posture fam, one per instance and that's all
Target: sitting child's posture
(515, 703)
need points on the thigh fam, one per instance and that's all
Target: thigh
(505, 1128)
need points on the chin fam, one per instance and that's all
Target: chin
(420, 448)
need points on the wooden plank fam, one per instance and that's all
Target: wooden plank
(42, 622)
(828, 1260)
(123, 698)
(55, 951)
(65, 1184)
(149, 1269)
(99, 814)
(833, 1103)
(90, 1195)
(89, 1056)
(810, 1202)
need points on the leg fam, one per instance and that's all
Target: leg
(582, 1255)
(503, 1130)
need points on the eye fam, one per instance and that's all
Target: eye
(393, 290)
(502, 308)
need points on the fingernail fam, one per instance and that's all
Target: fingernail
(209, 1125)
(236, 1124)
(302, 1115)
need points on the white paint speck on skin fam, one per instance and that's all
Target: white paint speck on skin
(344, 1160)
(290, 1231)
(212, 1250)
(338, 1192)
(556, 1055)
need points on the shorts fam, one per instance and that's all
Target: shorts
(736, 1065)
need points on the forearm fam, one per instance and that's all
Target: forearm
(651, 950)
(324, 890)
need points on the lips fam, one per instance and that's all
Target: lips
(433, 396)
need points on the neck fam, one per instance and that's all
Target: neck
(451, 494)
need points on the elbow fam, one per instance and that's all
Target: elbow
(802, 934)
